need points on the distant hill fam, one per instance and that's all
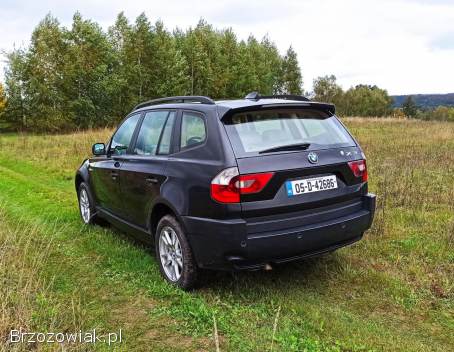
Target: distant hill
(426, 101)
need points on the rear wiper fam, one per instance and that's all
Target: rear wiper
(302, 146)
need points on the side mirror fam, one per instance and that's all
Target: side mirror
(98, 149)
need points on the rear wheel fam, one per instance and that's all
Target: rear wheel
(86, 205)
(174, 254)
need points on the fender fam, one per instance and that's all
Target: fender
(161, 201)
(82, 172)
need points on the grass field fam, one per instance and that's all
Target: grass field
(393, 291)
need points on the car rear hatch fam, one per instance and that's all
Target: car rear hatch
(295, 144)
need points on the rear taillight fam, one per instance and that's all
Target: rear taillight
(223, 188)
(228, 185)
(359, 169)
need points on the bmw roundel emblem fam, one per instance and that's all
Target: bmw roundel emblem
(312, 157)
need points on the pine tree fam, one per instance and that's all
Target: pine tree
(409, 107)
(292, 80)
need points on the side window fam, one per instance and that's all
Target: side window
(122, 138)
(193, 130)
(153, 133)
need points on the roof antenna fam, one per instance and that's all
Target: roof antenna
(253, 96)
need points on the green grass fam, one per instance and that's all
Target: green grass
(392, 291)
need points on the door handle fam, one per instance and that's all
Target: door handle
(152, 180)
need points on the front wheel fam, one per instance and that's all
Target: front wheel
(86, 205)
(174, 254)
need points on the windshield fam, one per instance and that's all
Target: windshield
(265, 131)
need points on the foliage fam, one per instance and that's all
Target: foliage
(441, 113)
(15, 111)
(409, 107)
(83, 77)
(2, 98)
(426, 101)
(365, 100)
(362, 100)
(291, 74)
(412, 110)
(398, 114)
(327, 90)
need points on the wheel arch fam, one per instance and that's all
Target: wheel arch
(78, 180)
(160, 209)
(81, 175)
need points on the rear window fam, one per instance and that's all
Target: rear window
(258, 131)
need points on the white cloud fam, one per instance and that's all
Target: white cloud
(404, 46)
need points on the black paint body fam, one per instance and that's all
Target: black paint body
(133, 191)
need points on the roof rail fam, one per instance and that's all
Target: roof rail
(257, 96)
(177, 99)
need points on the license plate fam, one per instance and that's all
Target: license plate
(310, 185)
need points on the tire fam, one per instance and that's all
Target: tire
(172, 249)
(87, 208)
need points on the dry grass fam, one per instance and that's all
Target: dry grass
(392, 291)
(27, 301)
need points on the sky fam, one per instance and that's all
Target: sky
(404, 46)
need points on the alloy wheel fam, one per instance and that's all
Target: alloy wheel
(84, 204)
(170, 253)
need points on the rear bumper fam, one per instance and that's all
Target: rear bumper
(240, 244)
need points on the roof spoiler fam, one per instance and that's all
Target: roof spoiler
(255, 96)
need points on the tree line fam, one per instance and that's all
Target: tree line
(361, 100)
(440, 113)
(372, 101)
(84, 77)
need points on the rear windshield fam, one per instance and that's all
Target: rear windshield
(257, 132)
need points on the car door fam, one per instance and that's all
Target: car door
(142, 171)
(105, 170)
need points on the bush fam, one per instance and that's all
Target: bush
(441, 113)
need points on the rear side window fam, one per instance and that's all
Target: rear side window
(193, 130)
(253, 132)
(155, 132)
(122, 138)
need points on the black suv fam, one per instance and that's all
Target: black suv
(233, 184)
